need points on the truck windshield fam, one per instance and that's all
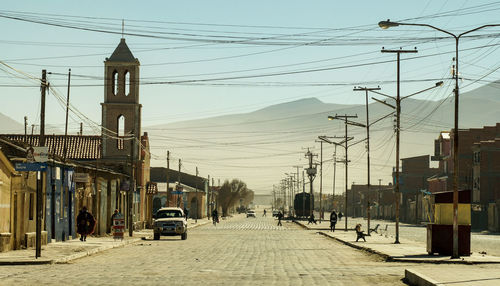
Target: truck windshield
(168, 214)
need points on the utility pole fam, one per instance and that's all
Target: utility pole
(211, 203)
(324, 138)
(398, 112)
(345, 141)
(378, 197)
(209, 207)
(292, 190)
(366, 89)
(179, 184)
(334, 173)
(197, 201)
(214, 200)
(65, 149)
(320, 180)
(39, 185)
(26, 129)
(168, 170)
(42, 112)
(303, 193)
(298, 185)
(398, 100)
(311, 173)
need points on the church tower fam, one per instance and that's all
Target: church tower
(121, 111)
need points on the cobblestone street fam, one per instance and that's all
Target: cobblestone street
(238, 251)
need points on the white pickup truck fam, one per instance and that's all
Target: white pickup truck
(170, 222)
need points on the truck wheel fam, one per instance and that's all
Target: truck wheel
(184, 236)
(156, 236)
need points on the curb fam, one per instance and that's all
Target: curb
(94, 251)
(415, 278)
(389, 258)
(26, 262)
(69, 258)
(198, 224)
(386, 257)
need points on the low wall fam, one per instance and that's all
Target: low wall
(30, 239)
(5, 241)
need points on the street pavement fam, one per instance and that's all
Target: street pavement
(62, 252)
(243, 251)
(477, 269)
(238, 251)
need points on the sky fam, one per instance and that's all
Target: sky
(209, 58)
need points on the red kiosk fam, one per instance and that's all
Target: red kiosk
(118, 227)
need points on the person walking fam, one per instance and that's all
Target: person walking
(85, 224)
(264, 212)
(280, 216)
(333, 221)
(186, 213)
(340, 216)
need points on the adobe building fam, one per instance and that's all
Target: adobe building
(486, 182)
(473, 166)
(93, 170)
(180, 189)
(414, 186)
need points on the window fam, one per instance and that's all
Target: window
(121, 132)
(114, 82)
(127, 83)
(477, 157)
(168, 214)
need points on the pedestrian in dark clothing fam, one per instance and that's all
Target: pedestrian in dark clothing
(186, 213)
(115, 213)
(264, 212)
(280, 216)
(215, 216)
(333, 220)
(340, 216)
(85, 224)
(311, 219)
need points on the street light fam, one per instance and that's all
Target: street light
(345, 141)
(398, 116)
(388, 24)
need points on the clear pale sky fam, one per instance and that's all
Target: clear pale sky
(188, 40)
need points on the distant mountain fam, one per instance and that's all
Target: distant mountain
(260, 146)
(489, 92)
(9, 125)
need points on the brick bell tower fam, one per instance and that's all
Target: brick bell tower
(121, 110)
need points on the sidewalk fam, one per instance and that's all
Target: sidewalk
(63, 252)
(456, 271)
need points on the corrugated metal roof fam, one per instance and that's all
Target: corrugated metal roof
(79, 147)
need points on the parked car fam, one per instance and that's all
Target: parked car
(275, 213)
(251, 213)
(170, 222)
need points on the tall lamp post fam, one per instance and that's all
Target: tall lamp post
(388, 24)
(398, 100)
